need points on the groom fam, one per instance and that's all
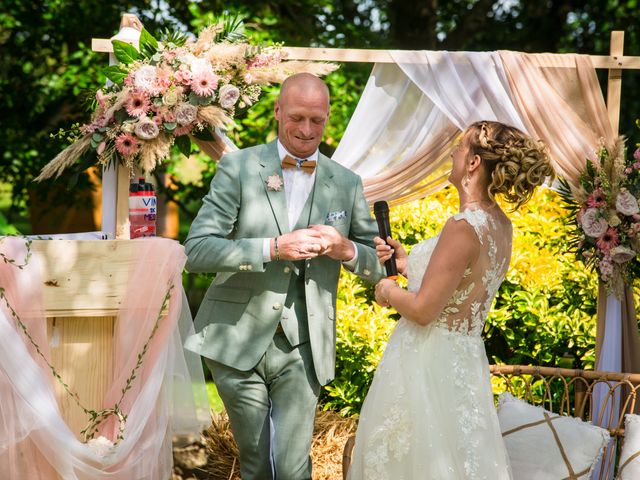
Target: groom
(277, 224)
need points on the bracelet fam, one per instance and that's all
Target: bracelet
(276, 251)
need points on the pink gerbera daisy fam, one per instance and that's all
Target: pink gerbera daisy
(137, 104)
(127, 145)
(204, 83)
(597, 199)
(608, 240)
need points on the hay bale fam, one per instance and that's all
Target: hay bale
(331, 432)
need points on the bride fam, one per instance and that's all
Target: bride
(429, 413)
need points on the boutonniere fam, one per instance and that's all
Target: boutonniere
(274, 182)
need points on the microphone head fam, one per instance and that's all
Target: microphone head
(380, 207)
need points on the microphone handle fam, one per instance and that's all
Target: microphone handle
(384, 229)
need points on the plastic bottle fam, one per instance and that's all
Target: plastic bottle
(142, 210)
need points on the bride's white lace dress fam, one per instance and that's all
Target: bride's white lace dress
(429, 413)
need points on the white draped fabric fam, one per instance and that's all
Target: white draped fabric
(167, 397)
(610, 360)
(411, 112)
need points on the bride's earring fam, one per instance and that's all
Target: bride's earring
(465, 181)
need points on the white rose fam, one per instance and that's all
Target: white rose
(592, 224)
(127, 127)
(170, 97)
(228, 96)
(145, 78)
(614, 220)
(186, 113)
(626, 203)
(146, 129)
(621, 254)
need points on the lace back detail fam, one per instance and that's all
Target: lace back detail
(468, 307)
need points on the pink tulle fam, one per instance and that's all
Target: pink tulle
(35, 442)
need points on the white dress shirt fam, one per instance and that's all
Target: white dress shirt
(297, 187)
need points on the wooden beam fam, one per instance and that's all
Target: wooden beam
(614, 83)
(383, 56)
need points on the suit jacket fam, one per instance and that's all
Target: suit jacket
(241, 310)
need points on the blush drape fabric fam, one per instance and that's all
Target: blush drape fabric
(167, 397)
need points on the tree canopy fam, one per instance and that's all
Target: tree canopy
(48, 71)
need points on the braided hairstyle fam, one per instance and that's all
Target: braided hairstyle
(515, 163)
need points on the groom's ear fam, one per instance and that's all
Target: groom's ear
(276, 110)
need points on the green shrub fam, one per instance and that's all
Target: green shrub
(544, 313)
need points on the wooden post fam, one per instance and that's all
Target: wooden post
(115, 180)
(614, 83)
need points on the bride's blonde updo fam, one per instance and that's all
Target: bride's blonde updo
(515, 163)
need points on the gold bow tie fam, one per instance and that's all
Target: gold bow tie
(308, 166)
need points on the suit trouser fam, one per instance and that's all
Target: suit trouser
(272, 410)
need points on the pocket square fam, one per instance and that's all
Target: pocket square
(337, 216)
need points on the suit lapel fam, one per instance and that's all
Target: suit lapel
(324, 192)
(277, 199)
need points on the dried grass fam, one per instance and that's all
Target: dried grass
(331, 432)
(154, 151)
(65, 158)
(214, 116)
(278, 73)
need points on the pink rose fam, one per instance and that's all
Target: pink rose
(592, 224)
(186, 113)
(621, 254)
(626, 203)
(228, 96)
(146, 129)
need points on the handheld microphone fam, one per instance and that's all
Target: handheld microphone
(381, 212)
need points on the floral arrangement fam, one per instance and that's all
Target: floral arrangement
(605, 210)
(171, 93)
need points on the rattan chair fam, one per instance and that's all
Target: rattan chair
(566, 392)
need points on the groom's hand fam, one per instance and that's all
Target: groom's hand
(334, 244)
(298, 245)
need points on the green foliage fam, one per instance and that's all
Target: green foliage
(362, 330)
(6, 228)
(544, 313)
(148, 44)
(47, 68)
(125, 52)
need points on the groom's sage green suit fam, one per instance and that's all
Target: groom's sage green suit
(258, 315)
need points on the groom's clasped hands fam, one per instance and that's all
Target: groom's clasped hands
(315, 241)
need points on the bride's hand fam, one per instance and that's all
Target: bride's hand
(384, 251)
(382, 291)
